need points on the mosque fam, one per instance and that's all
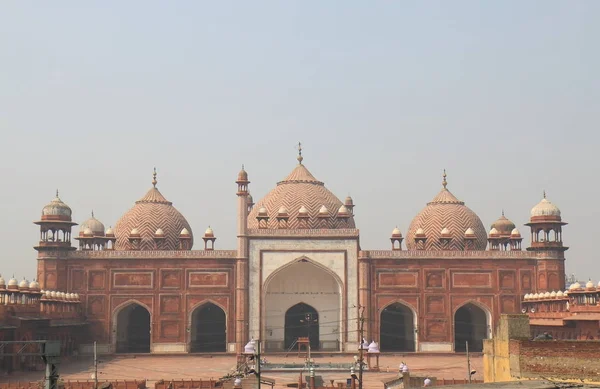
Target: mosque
(298, 271)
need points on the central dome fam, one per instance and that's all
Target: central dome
(446, 212)
(304, 202)
(150, 213)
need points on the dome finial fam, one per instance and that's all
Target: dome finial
(502, 211)
(544, 193)
(56, 193)
(444, 182)
(92, 213)
(154, 182)
(300, 158)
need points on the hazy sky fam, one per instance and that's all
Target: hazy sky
(383, 95)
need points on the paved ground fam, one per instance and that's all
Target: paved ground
(155, 367)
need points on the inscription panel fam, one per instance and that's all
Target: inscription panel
(471, 280)
(133, 279)
(170, 278)
(170, 304)
(170, 329)
(525, 280)
(507, 279)
(435, 304)
(77, 279)
(401, 279)
(436, 330)
(97, 280)
(208, 279)
(96, 305)
(434, 279)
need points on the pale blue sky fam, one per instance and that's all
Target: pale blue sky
(383, 95)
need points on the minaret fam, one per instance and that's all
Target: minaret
(241, 281)
(55, 241)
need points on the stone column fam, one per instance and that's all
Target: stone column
(241, 268)
(364, 294)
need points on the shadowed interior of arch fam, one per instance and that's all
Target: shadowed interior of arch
(302, 321)
(397, 328)
(133, 329)
(209, 329)
(470, 325)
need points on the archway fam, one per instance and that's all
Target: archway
(208, 329)
(397, 328)
(302, 321)
(313, 285)
(470, 325)
(133, 329)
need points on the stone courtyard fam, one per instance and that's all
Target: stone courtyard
(153, 368)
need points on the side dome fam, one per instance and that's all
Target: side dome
(445, 211)
(56, 210)
(503, 225)
(545, 209)
(94, 225)
(301, 194)
(150, 213)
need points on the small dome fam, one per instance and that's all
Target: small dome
(566, 293)
(209, 233)
(560, 294)
(76, 296)
(94, 225)
(262, 212)
(536, 296)
(419, 233)
(13, 282)
(396, 232)
(87, 232)
(185, 232)
(53, 294)
(445, 232)
(323, 210)
(159, 232)
(303, 210)
(589, 285)
(343, 210)
(56, 210)
(2, 282)
(469, 232)
(575, 286)
(553, 294)
(250, 199)
(515, 233)
(48, 294)
(24, 284)
(62, 295)
(134, 232)
(503, 225)
(242, 175)
(109, 232)
(494, 232)
(349, 201)
(282, 211)
(526, 296)
(34, 285)
(547, 295)
(545, 209)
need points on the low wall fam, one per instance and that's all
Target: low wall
(76, 384)
(556, 359)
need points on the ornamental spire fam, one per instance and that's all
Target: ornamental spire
(154, 182)
(544, 193)
(300, 158)
(444, 182)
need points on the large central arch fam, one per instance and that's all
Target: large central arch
(133, 329)
(208, 329)
(397, 328)
(303, 282)
(471, 323)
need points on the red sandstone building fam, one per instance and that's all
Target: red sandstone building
(298, 270)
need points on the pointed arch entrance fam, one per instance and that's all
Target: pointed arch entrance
(298, 288)
(397, 328)
(471, 324)
(133, 329)
(208, 329)
(302, 321)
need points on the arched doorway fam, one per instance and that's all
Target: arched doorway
(133, 329)
(289, 292)
(470, 325)
(208, 329)
(397, 328)
(302, 321)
